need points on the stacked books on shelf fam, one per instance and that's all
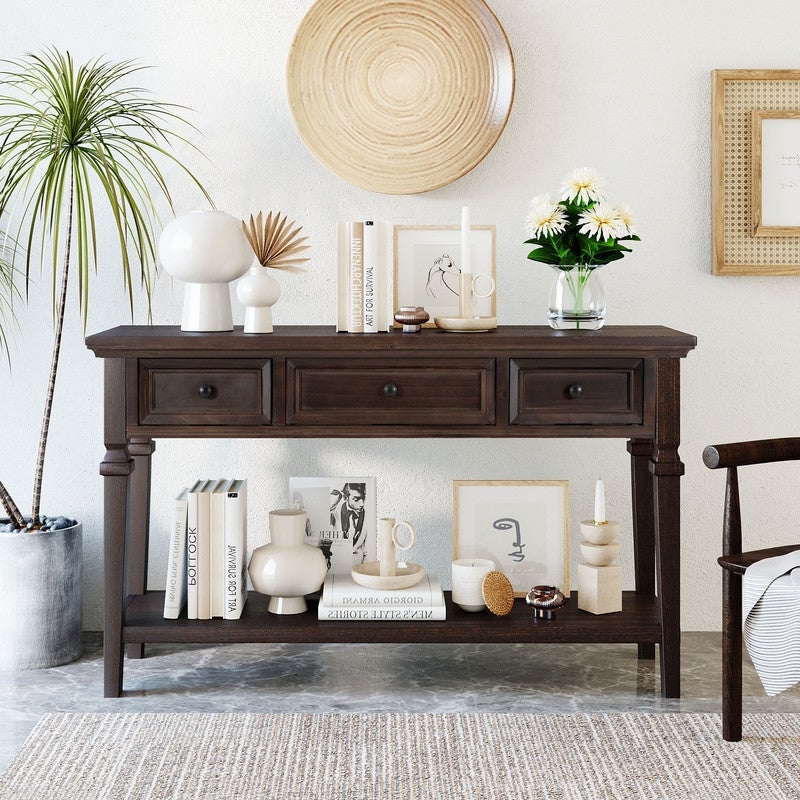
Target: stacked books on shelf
(207, 563)
(343, 599)
(364, 287)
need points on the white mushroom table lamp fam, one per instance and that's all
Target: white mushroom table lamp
(276, 244)
(207, 250)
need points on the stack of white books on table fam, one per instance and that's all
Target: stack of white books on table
(207, 564)
(343, 599)
(364, 278)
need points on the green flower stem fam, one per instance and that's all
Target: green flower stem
(576, 279)
(576, 286)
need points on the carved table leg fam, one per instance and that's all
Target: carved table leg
(667, 469)
(116, 469)
(139, 526)
(644, 556)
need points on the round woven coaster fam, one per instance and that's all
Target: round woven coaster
(498, 594)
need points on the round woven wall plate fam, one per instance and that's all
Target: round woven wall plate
(400, 96)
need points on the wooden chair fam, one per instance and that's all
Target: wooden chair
(734, 562)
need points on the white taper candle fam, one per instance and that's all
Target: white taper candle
(466, 267)
(599, 501)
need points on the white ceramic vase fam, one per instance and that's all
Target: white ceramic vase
(207, 250)
(287, 568)
(258, 291)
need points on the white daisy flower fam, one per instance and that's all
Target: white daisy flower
(603, 222)
(625, 215)
(583, 185)
(545, 217)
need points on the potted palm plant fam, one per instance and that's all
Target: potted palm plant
(75, 141)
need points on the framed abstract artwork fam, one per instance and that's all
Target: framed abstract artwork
(523, 526)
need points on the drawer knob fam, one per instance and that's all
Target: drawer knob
(575, 391)
(205, 391)
(391, 390)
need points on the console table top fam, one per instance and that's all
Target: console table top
(656, 340)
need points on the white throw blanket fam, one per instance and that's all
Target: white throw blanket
(771, 620)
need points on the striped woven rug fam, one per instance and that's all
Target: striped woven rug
(404, 757)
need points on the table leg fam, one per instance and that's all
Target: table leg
(139, 526)
(667, 468)
(116, 469)
(644, 557)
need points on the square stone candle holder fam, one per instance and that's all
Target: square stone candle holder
(599, 580)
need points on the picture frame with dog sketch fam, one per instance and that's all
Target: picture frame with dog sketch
(427, 262)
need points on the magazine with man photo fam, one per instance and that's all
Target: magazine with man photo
(342, 518)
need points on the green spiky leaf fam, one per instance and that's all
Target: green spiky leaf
(64, 124)
(76, 142)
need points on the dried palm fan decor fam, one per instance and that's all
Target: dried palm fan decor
(276, 243)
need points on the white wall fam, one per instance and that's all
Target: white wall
(626, 91)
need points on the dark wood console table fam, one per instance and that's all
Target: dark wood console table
(621, 382)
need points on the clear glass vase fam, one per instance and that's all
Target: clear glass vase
(577, 300)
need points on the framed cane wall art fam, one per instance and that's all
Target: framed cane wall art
(755, 163)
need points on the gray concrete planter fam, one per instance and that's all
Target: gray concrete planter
(41, 596)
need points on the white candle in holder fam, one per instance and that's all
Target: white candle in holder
(468, 575)
(599, 501)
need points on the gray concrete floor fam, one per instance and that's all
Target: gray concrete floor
(378, 677)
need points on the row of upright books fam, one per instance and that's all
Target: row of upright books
(345, 600)
(364, 287)
(207, 563)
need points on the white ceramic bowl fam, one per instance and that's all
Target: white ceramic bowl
(369, 575)
(599, 555)
(603, 533)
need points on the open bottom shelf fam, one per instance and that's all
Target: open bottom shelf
(637, 622)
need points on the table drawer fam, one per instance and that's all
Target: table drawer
(359, 392)
(578, 392)
(205, 392)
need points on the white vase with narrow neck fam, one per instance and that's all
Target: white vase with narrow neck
(287, 568)
(258, 291)
(207, 250)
